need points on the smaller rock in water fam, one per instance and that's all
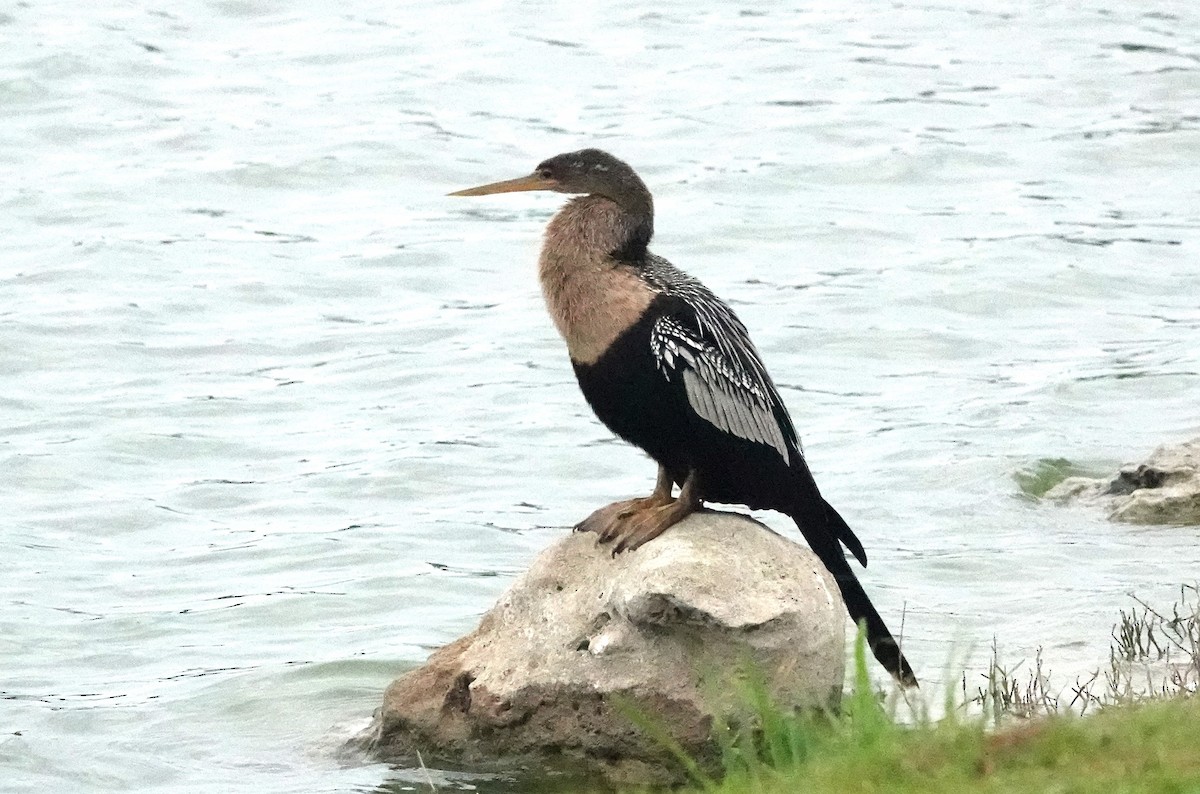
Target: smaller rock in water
(1165, 489)
(662, 629)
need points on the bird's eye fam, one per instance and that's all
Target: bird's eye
(544, 173)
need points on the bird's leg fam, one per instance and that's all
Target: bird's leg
(646, 525)
(605, 522)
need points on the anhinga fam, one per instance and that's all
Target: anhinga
(669, 367)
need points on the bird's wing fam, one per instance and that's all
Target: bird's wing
(700, 341)
(704, 345)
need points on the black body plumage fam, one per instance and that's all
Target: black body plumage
(668, 366)
(693, 409)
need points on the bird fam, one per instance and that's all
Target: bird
(669, 367)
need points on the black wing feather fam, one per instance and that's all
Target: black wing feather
(704, 344)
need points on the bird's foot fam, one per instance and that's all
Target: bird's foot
(606, 521)
(645, 525)
(635, 522)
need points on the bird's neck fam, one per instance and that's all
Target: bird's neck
(605, 227)
(589, 270)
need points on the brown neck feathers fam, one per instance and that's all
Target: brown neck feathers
(589, 279)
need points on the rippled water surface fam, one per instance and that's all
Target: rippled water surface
(278, 417)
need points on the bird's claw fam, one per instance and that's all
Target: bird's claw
(646, 525)
(640, 527)
(602, 521)
(633, 522)
(608, 520)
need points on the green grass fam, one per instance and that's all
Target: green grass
(1153, 747)
(1148, 742)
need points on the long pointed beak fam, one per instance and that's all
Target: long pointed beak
(531, 182)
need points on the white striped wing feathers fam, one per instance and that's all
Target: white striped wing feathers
(719, 392)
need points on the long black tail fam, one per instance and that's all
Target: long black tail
(823, 534)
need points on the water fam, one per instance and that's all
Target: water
(279, 418)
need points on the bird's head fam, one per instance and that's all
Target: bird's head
(587, 171)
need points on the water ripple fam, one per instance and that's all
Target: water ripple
(278, 417)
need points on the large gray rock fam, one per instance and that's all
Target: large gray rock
(662, 628)
(1165, 489)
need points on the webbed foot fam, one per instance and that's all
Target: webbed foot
(635, 522)
(607, 521)
(647, 524)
